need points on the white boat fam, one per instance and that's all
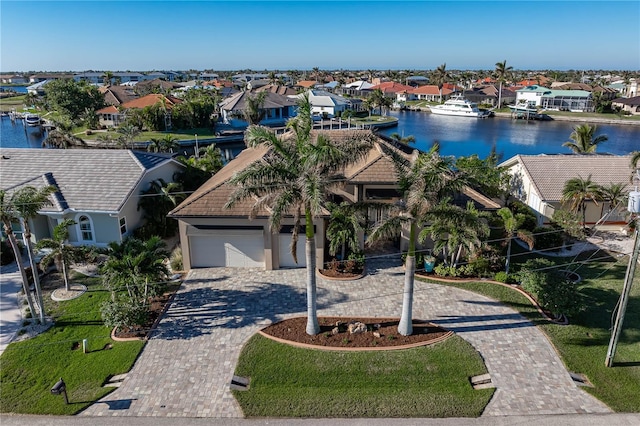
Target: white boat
(458, 105)
(32, 120)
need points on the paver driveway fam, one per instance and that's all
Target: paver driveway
(186, 368)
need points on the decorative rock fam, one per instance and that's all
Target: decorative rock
(357, 327)
(376, 334)
(377, 326)
(335, 331)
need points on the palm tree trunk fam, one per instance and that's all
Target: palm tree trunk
(406, 321)
(67, 286)
(23, 273)
(458, 254)
(500, 95)
(34, 270)
(313, 327)
(506, 264)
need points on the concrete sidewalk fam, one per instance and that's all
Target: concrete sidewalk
(10, 312)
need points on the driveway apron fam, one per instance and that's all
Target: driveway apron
(186, 367)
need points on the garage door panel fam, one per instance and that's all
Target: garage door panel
(284, 251)
(240, 248)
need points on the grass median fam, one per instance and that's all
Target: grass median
(430, 381)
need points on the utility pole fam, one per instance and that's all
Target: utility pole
(634, 208)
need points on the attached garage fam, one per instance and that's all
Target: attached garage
(242, 248)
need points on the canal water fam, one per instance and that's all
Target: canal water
(458, 136)
(461, 136)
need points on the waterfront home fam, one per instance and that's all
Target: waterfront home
(98, 189)
(390, 88)
(355, 88)
(538, 181)
(488, 95)
(39, 78)
(428, 92)
(553, 99)
(277, 108)
(13, 79)
(325, 104)
(211, 235)
(277, 88)
(117, 95)
(111, 115)
(630, 105)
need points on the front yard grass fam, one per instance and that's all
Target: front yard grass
(30, 368)
(583, 343)
(431, 381)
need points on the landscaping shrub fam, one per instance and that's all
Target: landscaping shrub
(123, 314)
(501, 277)
(550, 287)
(175, 261)
(548, 238)
(530, 221)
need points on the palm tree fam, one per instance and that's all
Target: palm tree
(107, 77)
(28, 201)
(453, 229)
(635, 159)
(59, 138)
(61, 253)
(502, 70)
(583, 140)
(424, 180)
(157, 201)
(439, 77)
(295, 178)
(402, 139)
(9, 215)
(512, 225)
(254, 108)
(344, 224)
(615, 195)
(576, 193)
(154, 145)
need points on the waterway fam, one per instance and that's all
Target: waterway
(458, 136)
(461, 136)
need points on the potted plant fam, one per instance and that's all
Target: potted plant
(429, 262)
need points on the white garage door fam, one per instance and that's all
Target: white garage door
(237, 248)
(284, 251)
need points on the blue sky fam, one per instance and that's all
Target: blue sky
(280, 35)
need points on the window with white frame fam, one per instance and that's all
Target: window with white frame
(86, 228)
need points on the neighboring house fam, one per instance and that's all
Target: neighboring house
(13, 79)
(117, 95)
(538, 181)
(307, 84)
(390, 88)
(38, 78)
(156, 86)
(38, 88)
(562, 100)
(213, 236)
(356, 88)
(278, 109)
(489, 95)
(276, 88)
(630, 105)
(91, 77)
(111, 116)
(326, 104)
(98, 189)
(428, 92)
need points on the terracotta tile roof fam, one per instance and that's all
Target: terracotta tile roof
(430, 89)
(307, 83)
(150, 100)
(392, 87)
(548, 173)
(108, 110)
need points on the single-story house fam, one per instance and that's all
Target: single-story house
(278, 109)
(538, 181)
(325, 104)
(356, 88)
(13, 79)
(112, 116)
(563, 100)
(489, 95)
(630, 105)
(428, 92)
(212, 236)
(98, 189)
(117, 95)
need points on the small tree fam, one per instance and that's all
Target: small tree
(344, 224)
(61, 253)
(513, 227)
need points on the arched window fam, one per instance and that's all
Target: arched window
(86, 228)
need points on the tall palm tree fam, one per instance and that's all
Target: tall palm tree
(512, 225)
(107, 77)
(583, 139)
(424, 180)
(295, 178)
(615, 195)
(9, 215)
(439, 77)
(402, 139)
(28, 201)
(254, 108)
(501, 72)
(577, 191)
(60, 252)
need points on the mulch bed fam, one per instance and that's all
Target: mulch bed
(293, 330)
(157, 306)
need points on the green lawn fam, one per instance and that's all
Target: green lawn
(14, 102)
(30, 368)
(431, 381)
(583, 343)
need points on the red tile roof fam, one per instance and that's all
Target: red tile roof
(430, 89)
(392, 87)
(150, 100)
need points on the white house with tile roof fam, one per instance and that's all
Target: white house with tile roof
(98, 189)
(538, 181)
(325, 104)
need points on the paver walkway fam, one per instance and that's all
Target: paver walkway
(186, 368)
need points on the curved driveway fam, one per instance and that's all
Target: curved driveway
(186, 368)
